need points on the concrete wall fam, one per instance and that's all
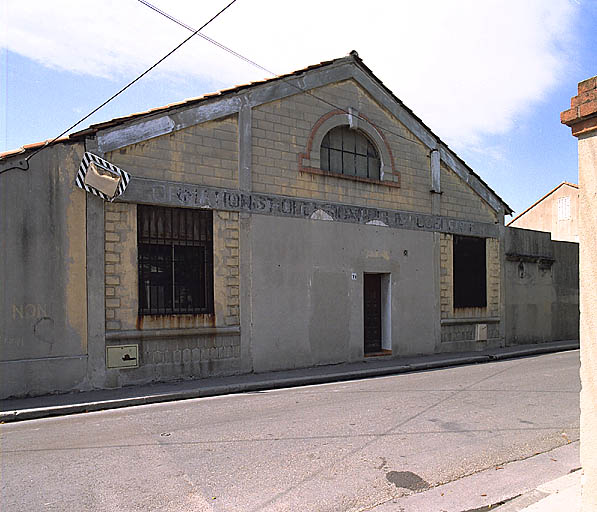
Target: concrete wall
(544, 215)
(587, 157)
(307, 310)
(43, 307)
(541, 288)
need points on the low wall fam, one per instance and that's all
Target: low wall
(541, 288)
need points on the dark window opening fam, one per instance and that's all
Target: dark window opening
(470, 272)
(175, 249)
(349, 152)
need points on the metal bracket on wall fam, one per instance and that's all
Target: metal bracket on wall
(23, 165)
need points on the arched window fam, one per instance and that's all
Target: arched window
(349, 152)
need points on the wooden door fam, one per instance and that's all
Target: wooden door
(372, 312)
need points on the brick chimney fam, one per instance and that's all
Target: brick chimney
(582, 114)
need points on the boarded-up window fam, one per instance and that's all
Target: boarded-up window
(175, 260)
(349, 152)
(470, 272)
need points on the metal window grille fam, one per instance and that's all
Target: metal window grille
(175, 248)
(470, 272)
(349, 152)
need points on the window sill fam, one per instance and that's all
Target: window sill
(381, 353)
(169, 333)
(313, 170)
(471, 320)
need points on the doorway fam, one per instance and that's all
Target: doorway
(372, 313)
(377, 314)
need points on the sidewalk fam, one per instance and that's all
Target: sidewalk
(18, 409)
(559, 495)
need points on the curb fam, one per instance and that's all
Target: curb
(289, 382)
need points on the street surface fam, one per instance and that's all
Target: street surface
(350, 446)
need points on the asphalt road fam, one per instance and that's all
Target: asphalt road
(349, 446)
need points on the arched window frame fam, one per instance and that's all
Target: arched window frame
(310, 160)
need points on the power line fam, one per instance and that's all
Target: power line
(126, 86)
(207, 38)
(253, 63)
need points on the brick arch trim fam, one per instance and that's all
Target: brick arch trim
(309, 161)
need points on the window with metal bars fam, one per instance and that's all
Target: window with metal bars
(175, 248)
(349, 152)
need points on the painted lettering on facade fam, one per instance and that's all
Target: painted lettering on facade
(13, 342)
(28, 311)
(176, 194)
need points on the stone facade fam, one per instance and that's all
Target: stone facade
(281, 134)
(205, 154)
(459, 324)
(171, 346)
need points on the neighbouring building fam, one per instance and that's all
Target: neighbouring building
(582, 119)
(308, 219)
(556, 212)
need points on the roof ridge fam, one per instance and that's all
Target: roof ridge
(353, 56)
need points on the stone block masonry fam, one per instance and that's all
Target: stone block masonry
(121, 266)
(281, 132)
(492, 247)
(171, 346)
(459, 201)
(226, 268)
(203, 154)
(121, 271)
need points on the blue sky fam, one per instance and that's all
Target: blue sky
(490, 78)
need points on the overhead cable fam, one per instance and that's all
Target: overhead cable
(253, 63)
(126, 86)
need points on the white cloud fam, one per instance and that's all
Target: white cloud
(466, 67)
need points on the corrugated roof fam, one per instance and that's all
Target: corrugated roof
(92, 129)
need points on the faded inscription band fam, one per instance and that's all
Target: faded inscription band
(165, 193)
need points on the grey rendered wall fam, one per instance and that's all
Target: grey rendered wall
(541, 288)
(307, 310)
(43, 319)
(565, 312)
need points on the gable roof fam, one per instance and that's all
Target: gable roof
(125, 130)
(567, 183)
